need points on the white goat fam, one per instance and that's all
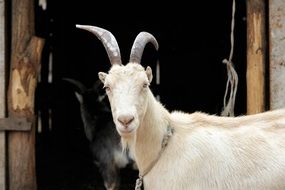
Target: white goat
(204, 151)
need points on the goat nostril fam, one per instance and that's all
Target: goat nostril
(125, 119)
(131, 119)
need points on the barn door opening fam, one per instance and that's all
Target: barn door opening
(192, 75)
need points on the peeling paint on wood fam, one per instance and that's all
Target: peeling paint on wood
(277, 55)
(23, 94)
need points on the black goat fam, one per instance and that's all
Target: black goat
(101, 133)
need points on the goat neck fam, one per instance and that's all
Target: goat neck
(150, 134)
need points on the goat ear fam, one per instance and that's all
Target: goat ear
(102, 76)
(79, 97)
(149, 73)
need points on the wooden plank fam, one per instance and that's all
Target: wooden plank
(255, 74)
(15, 124)
(2, 96)
(276, 51)
(24, 69)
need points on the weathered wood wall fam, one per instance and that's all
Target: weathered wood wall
(24, 69)
(2, 95)
(276, 51)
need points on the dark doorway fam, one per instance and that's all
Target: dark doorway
(194, 38)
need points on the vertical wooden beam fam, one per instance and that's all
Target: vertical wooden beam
(2, 95)
(277, 53)
(25, 65)
(256, 56)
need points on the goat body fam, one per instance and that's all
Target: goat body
(211, 152)
(205, 151)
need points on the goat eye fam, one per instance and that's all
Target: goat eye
(145, 85)
(107, 88)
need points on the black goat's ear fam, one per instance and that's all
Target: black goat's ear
(149, 73)
(79, 97)
(102, 76)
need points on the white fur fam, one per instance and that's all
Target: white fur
(206, 152)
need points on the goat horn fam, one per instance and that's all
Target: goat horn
(108, 40)
(139, 44)
(77, 84)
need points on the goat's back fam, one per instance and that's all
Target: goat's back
(211, 152)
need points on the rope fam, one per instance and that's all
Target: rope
(232, 82)
(139, 181)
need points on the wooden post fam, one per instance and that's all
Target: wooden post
(256, 47)
(2, 95)
(277, 53)
(25, 65)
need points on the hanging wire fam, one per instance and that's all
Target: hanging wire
(232, 82)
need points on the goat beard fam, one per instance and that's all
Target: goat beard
(127, 144)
